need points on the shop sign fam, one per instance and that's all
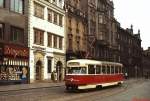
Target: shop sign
(16, 51)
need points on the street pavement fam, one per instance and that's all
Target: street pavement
(30, 86)
(131, 90)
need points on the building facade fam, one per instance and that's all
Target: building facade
(106, 31)
(146, 62)
(130, 51)
(76, 30)
(14, 52)
(46, 39)
(101, 30)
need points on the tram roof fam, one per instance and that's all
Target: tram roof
(88, 61)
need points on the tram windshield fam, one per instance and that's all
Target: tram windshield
(76, 70)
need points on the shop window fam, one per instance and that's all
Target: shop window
(49, 65)
(60, 42)
(91, 69)
(13, 73)
(49, 40)
(2, 3)
(1, 31)
(50, 15)
(39, 10)
(38, 37)
(17, 34)
(17, 6)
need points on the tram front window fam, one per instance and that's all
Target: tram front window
(76, 70)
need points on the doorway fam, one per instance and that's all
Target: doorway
(38, 70)
(59, 70)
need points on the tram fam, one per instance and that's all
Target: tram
(85, 74)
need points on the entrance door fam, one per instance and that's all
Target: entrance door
(59, 70)
(38, 70)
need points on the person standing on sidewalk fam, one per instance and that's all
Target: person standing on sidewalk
(55, 76)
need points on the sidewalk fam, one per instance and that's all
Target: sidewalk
(29, 86)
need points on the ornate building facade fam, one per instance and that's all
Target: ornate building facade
(76, 30)
(46, 28)
(101, 31)
(130, 51)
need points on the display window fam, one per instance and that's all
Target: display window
(14, 65)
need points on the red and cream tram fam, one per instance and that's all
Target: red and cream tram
(84, 74)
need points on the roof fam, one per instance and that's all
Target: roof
(87, 61)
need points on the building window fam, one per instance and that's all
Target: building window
(38, 37)
(1, 31)
(60, 3)
(60, 42)
(50, 12)
(60, 20)
(49, 40)
(70, 44)
(49, 66)
(100, 19)
(17, 6)
(54, 2)
(38, 10)
(55, 18)
(55, 41)
(2, 3)
(17, 34)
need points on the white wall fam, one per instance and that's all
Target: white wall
(46, 26)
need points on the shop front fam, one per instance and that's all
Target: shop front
(14, 64)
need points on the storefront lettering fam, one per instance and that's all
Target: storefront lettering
(15, 52)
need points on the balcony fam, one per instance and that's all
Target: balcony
(101, 39)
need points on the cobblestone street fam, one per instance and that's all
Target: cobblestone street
(131, 90)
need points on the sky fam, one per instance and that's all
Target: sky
(135, 12)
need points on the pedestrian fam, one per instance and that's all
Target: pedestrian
(52, 76)
(55, 76)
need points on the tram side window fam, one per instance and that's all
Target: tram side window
(108, 69)
(98, 69)
(91, 69)
(112, 69)
(104, 69)
(120, 70)
(116, 69)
